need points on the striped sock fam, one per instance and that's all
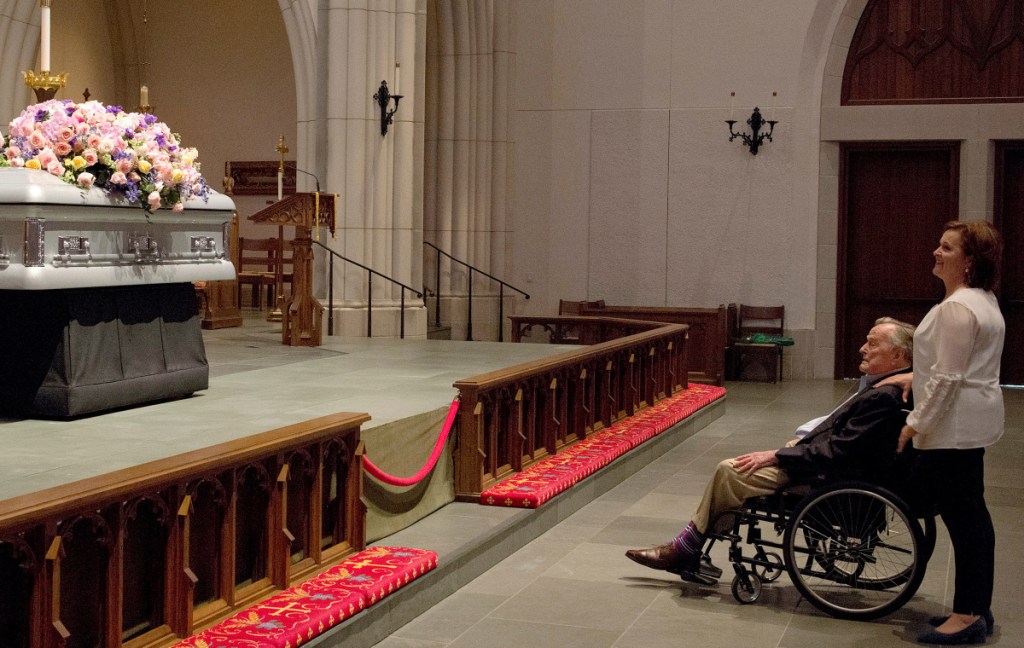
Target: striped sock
(689, 542)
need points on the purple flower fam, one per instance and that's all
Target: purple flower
(132, 193)
(42, 115)
(149, 119)
(114, 109)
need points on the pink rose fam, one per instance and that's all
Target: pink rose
(12, 152)
(118, 178)
(154, 200)
(164, 171)
(90, 156)
(66, 134)
(134, 177)
(55, 168)
(178, 207)
(46, 157)
(37, 139)
(62, 148)
(17, 163)
(93, 141)
(85, 179)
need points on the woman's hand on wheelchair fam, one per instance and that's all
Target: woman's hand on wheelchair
(752, 461)
(906, 434)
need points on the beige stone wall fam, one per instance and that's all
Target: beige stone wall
(220, 74)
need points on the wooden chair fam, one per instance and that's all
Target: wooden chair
(769, 320)
(257, 263)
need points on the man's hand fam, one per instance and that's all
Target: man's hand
(906, 434)
(904, 381)
(751, 461)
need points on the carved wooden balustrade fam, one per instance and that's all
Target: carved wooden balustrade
(144, 556)
(512, 418)
(709, 335)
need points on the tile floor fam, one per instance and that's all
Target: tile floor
(572, 586)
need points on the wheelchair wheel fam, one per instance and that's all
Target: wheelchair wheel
(746, 587)
(855, 552)
(770, 574)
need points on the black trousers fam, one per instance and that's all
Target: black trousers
(955, 483)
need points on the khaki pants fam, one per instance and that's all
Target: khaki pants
(728, 489)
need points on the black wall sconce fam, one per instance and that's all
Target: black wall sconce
(383, 99)
(756, 137)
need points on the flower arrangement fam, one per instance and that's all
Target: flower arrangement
(130, 155)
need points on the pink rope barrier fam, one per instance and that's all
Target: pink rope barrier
(427, 467)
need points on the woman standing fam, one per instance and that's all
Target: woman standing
(958, 413)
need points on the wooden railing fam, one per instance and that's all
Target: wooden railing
(512, 418)
(709, 336)
(144, 556)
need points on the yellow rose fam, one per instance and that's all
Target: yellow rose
(33, 164)
(177, 176)
(78, 162)
(145, 166)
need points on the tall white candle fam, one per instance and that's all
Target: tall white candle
(732, 105)
(398, 71)
(44, 38)
(280, 184)
(774, 94)
(144, 96)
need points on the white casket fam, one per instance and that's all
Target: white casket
(97, 306)
(55, 235)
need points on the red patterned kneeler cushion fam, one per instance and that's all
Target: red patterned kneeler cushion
(545, 479)
(294, 616)
(377, 571)
(288, 619)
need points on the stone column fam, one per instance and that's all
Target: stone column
(470, 73)
(379, 178)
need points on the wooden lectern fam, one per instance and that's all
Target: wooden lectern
(301, 313)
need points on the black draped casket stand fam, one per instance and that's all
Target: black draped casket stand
(97, 304)
(76, 351)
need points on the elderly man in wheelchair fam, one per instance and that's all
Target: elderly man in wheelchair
(853, 548)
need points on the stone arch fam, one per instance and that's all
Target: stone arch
(19, 40)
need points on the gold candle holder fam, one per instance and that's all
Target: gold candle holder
(146, 108)
(45, 84)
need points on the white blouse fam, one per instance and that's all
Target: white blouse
(957, 347)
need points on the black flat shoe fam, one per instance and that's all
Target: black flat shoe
(972, 634)
(990, 622)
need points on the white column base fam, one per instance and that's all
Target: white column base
(351, 322)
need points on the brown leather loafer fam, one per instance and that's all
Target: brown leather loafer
(663, 557)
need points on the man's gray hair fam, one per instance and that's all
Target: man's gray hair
(902, 337)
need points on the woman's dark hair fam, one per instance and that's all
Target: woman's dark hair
(983, 247)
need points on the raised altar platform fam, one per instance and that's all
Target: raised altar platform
(260, 385)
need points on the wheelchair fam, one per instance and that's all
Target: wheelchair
(855, 550)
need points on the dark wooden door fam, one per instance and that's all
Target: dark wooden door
(1009, 218)
(894, 198)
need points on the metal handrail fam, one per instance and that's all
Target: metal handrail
(472, 269)
(369, 292)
